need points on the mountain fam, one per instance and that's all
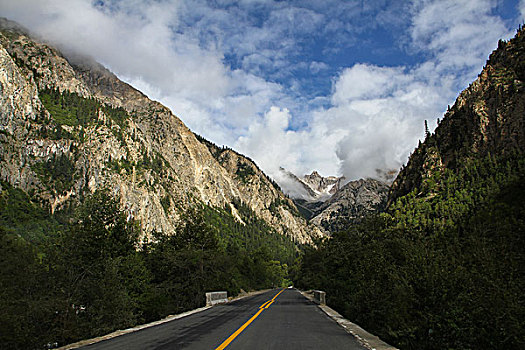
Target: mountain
(351, 203)
(322, 186)
(331, 204)
(487, 118)
(311, 188)
(68, 127)
(112, 212)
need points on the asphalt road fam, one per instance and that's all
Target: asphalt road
(272, 320)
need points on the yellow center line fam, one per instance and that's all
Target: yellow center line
(268, 305)
(263, 305)
(239, 331)
(282, 290)
(269, 302)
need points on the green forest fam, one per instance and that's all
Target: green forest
(71, 109)
(444, 268)
(77, 112)
(85, 273)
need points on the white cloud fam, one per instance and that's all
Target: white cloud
(365, 82)
(376, 114)
(134, 40)
(457, 34)
(315, 66)
(141, 43)
(269, 141)
(272, 144)
(382, 130)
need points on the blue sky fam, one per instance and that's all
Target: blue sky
(342, 87)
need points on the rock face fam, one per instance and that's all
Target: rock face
(331, 205)
(322, 185)
(351, 203)
(117, 139)
(487, 118)
(311, 188)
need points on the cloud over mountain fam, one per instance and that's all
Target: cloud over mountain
(341, 87)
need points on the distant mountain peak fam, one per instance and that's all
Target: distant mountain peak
(323, 187)
(313, 187)
(351, 202)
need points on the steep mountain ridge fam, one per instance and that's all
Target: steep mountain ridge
(331, 204)
(487, 118)
(442, 268)
(351, 203)
(130, 144)
(310, 187)
(323, 186)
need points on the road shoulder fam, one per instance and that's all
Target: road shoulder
(365, 338)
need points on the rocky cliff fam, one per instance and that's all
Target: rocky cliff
(487, 118)
(312, 187)
(323, 185)
(68, 126)
(351, 203)
(330, 204)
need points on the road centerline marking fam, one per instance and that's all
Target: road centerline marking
(239, 331)
(263, 305)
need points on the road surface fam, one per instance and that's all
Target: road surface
(278, 319)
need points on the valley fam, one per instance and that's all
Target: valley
(114, 213)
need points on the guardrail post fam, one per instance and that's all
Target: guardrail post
(320, 297)
(213, 298)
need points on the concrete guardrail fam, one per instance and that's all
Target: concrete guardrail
(320, 297)
(213, 298)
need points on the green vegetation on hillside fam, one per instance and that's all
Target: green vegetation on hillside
(23, 217)
(244, 171)
(444, 269)
(155, 161)
(88, 274)
(71, 109)
(57, 173)
(251, 235)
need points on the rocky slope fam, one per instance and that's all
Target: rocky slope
(68, 126)
(351, 203)
(323, 186)
(310, 188)
(487, 118)
(331, 204)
